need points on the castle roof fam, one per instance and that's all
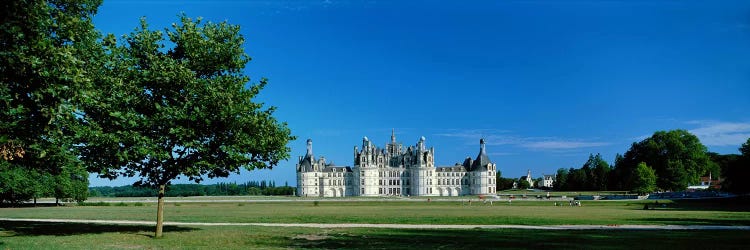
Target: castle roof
(456, 168)
(331, 168)
(480, 164)
(307, 161)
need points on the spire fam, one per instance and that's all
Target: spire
(309, 147)
(393, 135)
(482, 159)
(307, 161)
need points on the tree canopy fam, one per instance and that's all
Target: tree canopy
(677, 157)
(644, 180)
(163, 113)
(46, 48)
(735, 169)
(593, 175)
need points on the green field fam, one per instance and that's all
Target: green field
(406, 212)
(91, 236)
(19, 235)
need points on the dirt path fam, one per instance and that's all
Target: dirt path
(400, 226)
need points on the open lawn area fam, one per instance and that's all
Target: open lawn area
(15, 235)
(409, 212)
(35, 235)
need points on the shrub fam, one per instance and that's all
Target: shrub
(94, 204)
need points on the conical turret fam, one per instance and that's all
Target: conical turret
(482, 160)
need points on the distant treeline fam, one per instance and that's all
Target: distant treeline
(176, 190)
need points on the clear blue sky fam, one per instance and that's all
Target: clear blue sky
(545, 82)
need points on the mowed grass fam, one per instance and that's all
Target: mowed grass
(21, 235)
(39, 235)
(409, 212)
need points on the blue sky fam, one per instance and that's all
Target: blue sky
(545, 82)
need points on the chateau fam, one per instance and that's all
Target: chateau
(395, 170)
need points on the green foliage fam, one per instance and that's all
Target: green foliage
(735, 169)
(677, 156)
(745, 148)
(179, 111)
(95, 204)
(561, 180)
(47, 50)
(592, 176)
(644, 180)
(182, 190)
(71, 184)
(598, 172)
(15, 183)
(523, 184)
(504, 183)
(538, 182)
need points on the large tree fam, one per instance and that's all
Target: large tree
(677, 157)
(644, 179)
(46, 49)
(735, 169)
(597, 172)
(561, 180)
(180, 107)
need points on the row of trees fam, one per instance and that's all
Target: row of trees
(177, 190)
(21, 184)
(155, 105)
(668, 160)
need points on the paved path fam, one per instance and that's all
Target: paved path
(399, 226)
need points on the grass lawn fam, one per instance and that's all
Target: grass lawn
(33, 235)
(450, 212)
(17, 235)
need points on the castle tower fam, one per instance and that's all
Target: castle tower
(307, 172)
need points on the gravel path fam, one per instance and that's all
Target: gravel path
(400, 226)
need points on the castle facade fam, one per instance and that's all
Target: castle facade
(395, 171)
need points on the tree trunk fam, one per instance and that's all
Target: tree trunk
(160, 212)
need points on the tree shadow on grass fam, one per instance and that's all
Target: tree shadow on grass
(28, 228)
(521, 239)
(697, 221)
(734, 204)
